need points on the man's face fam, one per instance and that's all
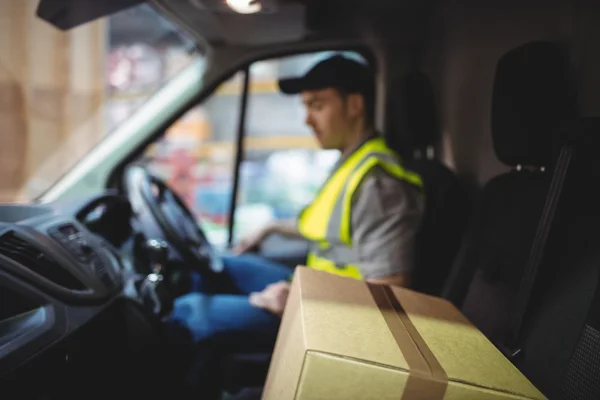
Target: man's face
(327, 115)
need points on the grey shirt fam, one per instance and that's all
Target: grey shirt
(386, 216)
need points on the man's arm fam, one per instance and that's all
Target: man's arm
(386, 217)
(287, 228)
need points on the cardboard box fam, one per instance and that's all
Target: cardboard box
(346, 339)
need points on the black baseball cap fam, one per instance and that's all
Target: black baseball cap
(336, 72)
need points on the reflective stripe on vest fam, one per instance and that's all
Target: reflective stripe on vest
(327, 221)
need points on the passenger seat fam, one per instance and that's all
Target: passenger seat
(561, 332)
(533, 99)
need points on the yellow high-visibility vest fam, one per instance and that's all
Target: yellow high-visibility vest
(326, 221)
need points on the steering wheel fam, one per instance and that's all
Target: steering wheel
(158, 206)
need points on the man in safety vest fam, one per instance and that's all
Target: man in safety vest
(362, 224)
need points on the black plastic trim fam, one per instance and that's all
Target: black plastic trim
(23, 337)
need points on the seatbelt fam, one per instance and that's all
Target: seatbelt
(536, 254)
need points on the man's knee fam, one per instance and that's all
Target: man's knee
(190, 312)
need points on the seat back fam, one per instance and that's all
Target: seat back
(413, 132)
(561, 334)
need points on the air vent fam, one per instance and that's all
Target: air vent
(13, 304)
(14, 247)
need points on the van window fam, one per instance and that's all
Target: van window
(63, 92)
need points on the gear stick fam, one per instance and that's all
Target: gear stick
(158, 252)
(152, 289)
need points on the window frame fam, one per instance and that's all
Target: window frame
(239, 154)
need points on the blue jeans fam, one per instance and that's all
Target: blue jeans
(224, 323)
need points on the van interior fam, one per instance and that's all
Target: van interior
(495, 104)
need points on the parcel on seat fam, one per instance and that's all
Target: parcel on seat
(347, 339)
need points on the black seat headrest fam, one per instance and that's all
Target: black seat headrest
(414, 123)
(533, 97)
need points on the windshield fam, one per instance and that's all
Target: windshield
(61, 92)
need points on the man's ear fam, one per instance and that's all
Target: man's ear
(355, 104)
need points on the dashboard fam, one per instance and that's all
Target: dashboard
(73, 322)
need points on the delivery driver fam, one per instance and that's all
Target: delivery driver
(362, 224)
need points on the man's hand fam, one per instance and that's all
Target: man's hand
(286, 228)
(272, 298)
(252, 241)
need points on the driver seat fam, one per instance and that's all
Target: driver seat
(413, 131)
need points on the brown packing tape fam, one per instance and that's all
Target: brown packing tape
(427, 379)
